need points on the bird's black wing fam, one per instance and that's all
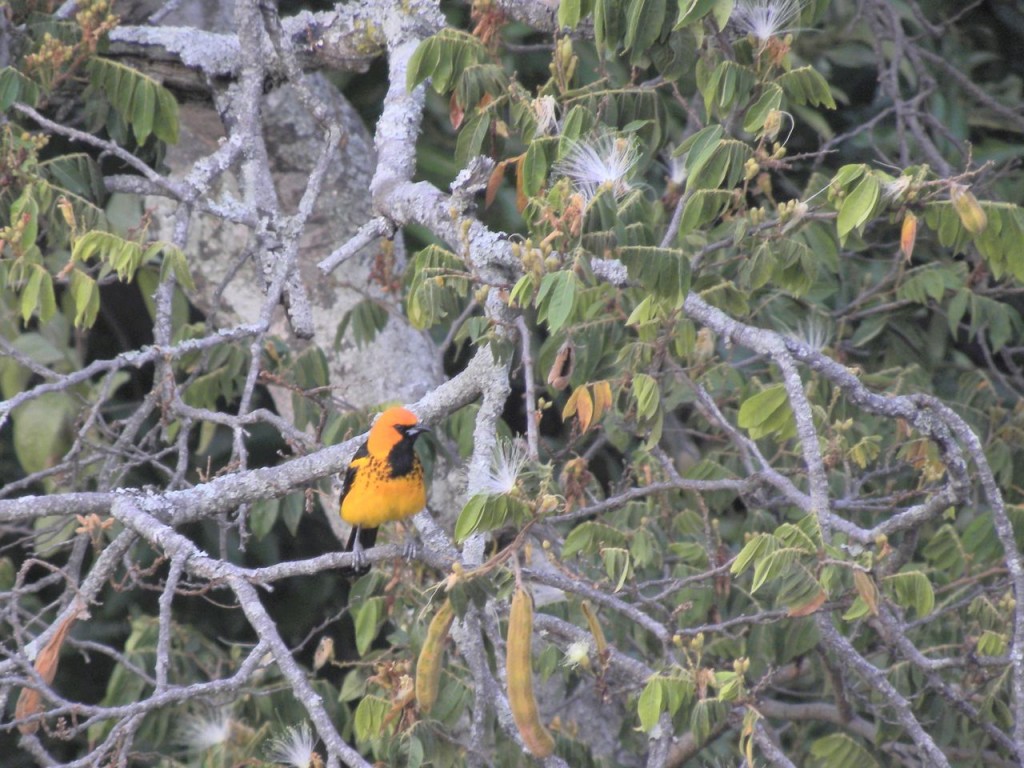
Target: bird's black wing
(350, 473)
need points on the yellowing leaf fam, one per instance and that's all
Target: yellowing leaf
(867, 590)
(580, 405)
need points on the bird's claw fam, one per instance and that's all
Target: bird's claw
(411, 549)
(359, 562)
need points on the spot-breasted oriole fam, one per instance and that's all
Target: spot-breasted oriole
(384, 480)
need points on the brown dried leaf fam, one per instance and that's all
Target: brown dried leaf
(494, 183)
(455, 112)
(808, 608)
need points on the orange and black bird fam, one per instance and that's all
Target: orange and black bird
(384, 480)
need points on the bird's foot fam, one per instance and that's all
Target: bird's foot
(411, 549)
(359, 563)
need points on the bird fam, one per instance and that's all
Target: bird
(383, 482)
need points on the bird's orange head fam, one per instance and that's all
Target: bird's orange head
(393, 426)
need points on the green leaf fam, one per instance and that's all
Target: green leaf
(14, 86)
(143, 111)
(773, 566)
(945, 551)
(444, 57)
(485, 512)
(30, 293)
(729, 85)
(471, 138)
(724, 167)
(75, 174)
(699, 146)
(930, 282)
(590, 536)
(766, 412)
(438, 283)
(757, 547)
(992, 643)
(10, 87)
(369, 721)
(141, 102)
(664, 272)
(555, 299)
(646, 394)
(292, 508)
(535, 166)
(471, 518)
(366, 319)
(644, 21)
(617, 565)
(368, 618)
(607, 24)
(705, 715)
(675, 57)
(174, 260)
(522, 292)
(840, 751)
(758, 112)
(912, 590)
(85, 295)
(691, 11)
(578, 122)
(703, 207)
(806, 86)
(47, 298)
(166, 124)
(568, 13)
(858, 206)
(25, 210)
(650, 704)
(42, 430)
(263, 516)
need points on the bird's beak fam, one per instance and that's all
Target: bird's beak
(417, 430)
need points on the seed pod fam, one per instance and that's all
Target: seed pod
(595, 627)
(519, 669)
(428, 667)
(29, 700)
(562, 368)
(908, 235)
(971, 214)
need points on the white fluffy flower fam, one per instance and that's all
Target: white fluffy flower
(509, 459)
(601, 162)
(675, 165)
(815, 332)
(577, 654)
(765, 19)
(201, 732)
(545, 110)
(294, 748)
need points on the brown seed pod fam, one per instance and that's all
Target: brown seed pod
(428, 666)
(519, 669)
(29, 700)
